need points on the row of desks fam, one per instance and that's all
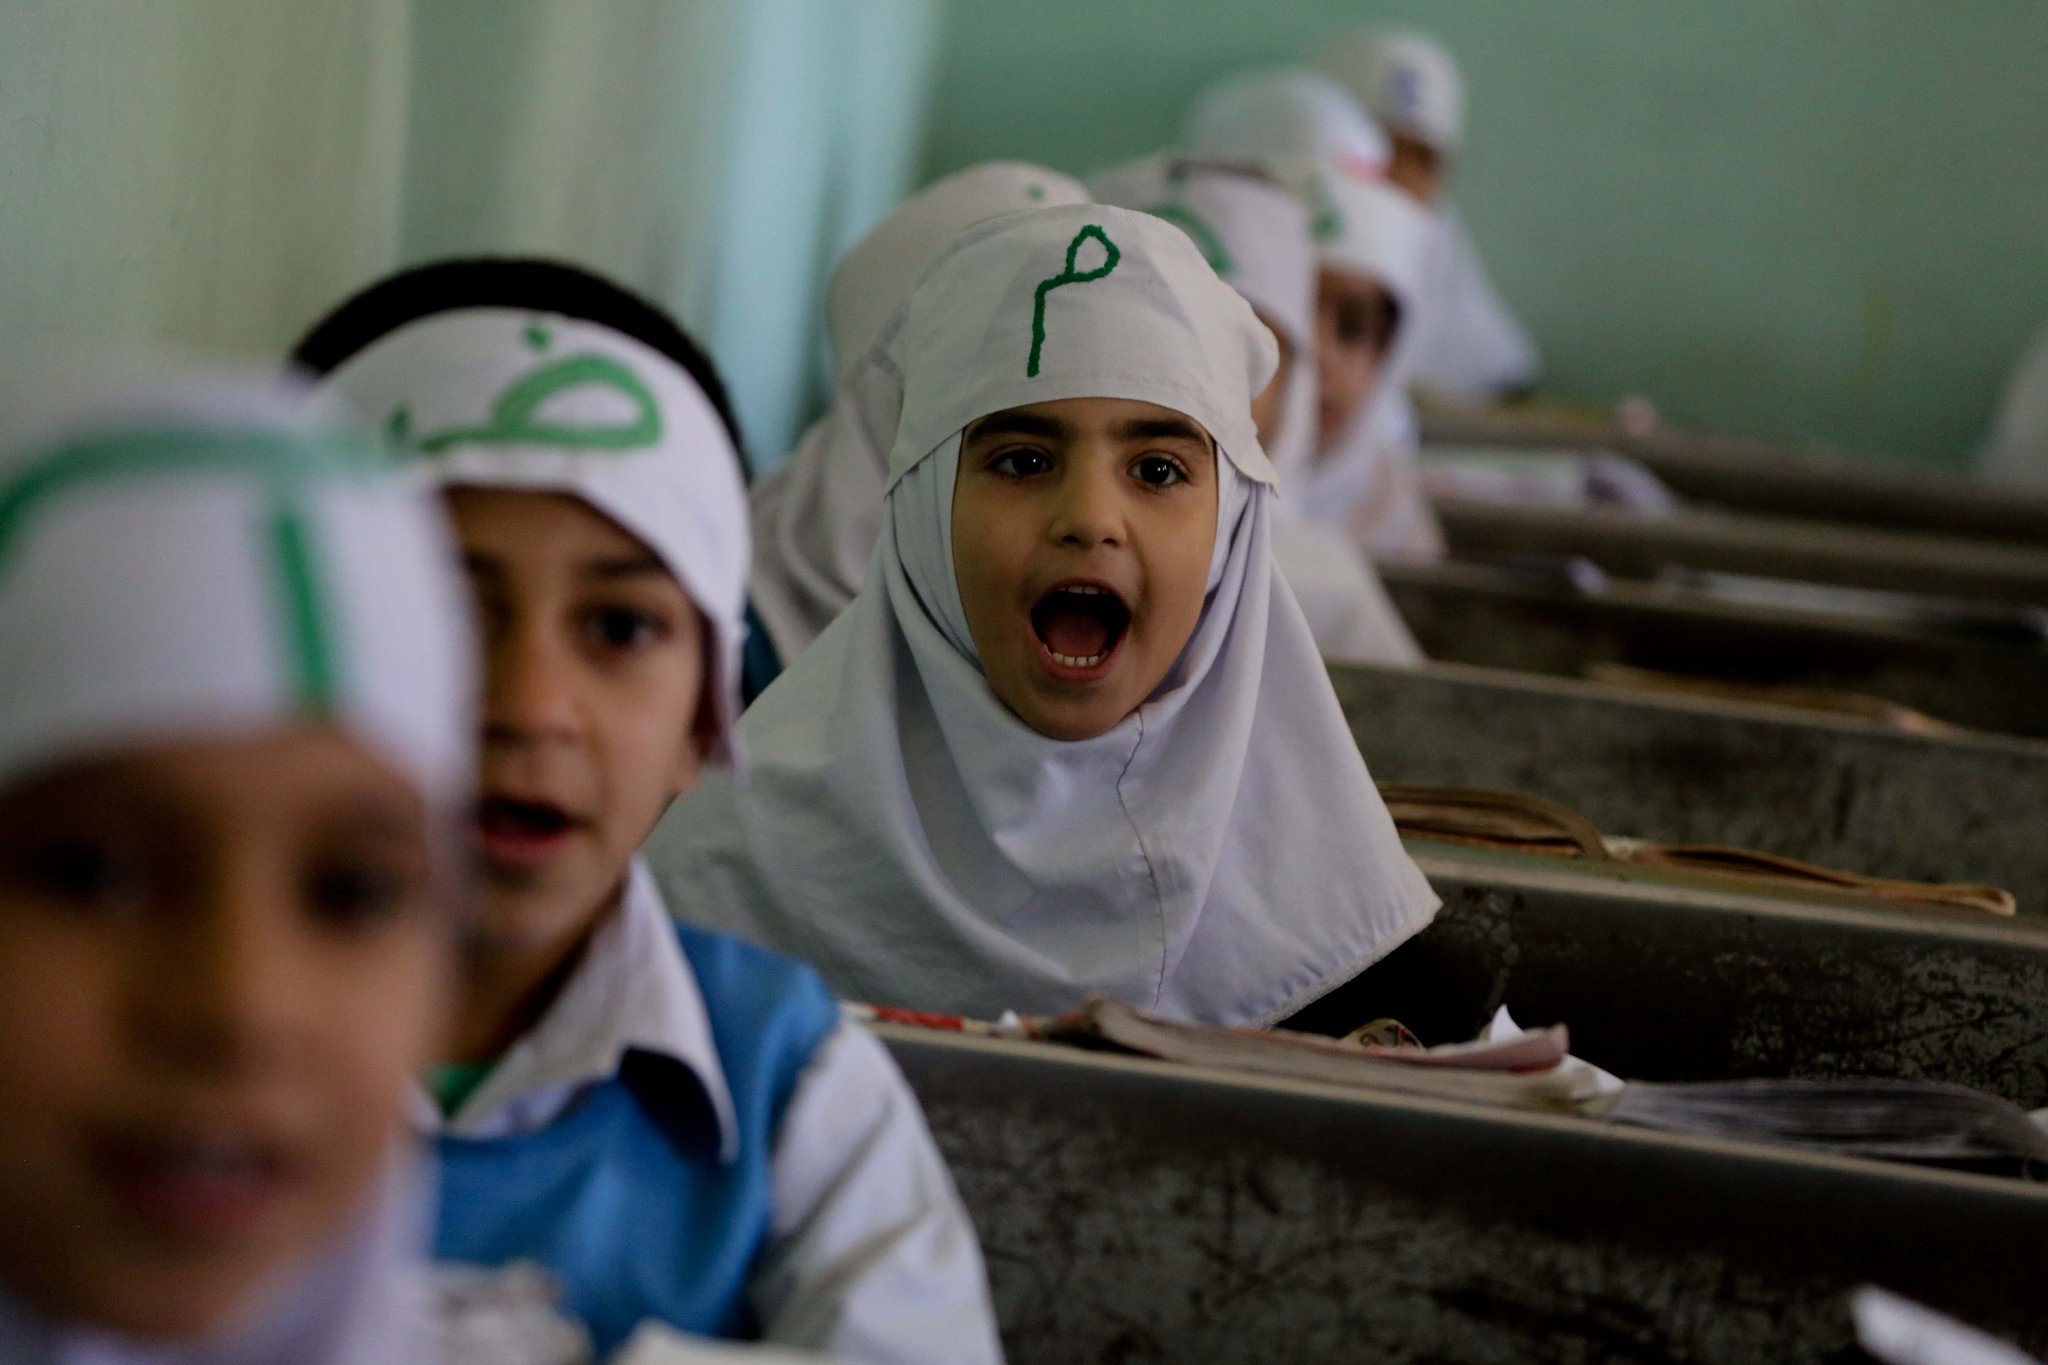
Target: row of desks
(1942, 566)
(1540, 623)
(1840, 792)
(1663, 978)
(1776, 479)
(1139, 1211)
(1133, 1210)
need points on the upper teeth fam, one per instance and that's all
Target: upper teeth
(1085, 590)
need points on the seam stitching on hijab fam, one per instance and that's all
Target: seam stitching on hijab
(1151, 873)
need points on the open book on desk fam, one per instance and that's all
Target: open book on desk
(1881, 1118)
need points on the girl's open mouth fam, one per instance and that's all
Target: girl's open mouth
(196, 1186)
(522, 832)
(1079, 626)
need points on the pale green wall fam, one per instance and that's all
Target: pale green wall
(1816, 217)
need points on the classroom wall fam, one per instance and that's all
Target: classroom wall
(210, 173)
(1809, 217)
(213, 175)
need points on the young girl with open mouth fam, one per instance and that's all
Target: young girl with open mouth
(1073, 735)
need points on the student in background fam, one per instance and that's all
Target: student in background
(678, 1125)
(1256, 237)
(1373, 242)
(816, 515)
(1468, 343)
(2017, 446)
(1073, 735)
(235, 721)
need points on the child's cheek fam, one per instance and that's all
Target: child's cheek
(371, 1059)
(59, 1021)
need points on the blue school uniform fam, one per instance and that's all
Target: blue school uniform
(630, 1142)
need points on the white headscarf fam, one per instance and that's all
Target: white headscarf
(816, 515)
(1468, 343)
(1291, 121)
(1220, 855)
(516, 398)
(1256, 235)
(1364, 482)
(1307, 130)
(1408, 81)
(184, 557)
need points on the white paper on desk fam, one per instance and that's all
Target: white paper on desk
(1503, 1028)
(1900, 1332)
(656, 1343)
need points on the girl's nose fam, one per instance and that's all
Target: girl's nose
(1090, 506)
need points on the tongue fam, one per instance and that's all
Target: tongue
(1074, 634)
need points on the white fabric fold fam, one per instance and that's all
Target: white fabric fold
(1468, 343)
(1219, 855)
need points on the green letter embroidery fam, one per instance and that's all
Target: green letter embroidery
(1067, 276)
(512, 421)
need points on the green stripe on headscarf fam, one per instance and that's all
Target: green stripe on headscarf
(284, 464)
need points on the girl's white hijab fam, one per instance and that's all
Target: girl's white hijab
(1220, 855)
(816, 515)
(1257, 237)
(1409, 81)
(1364, 483)
(1308, 131)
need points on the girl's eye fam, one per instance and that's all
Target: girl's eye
(1159, 471)
(351, 893)
(621, 628)
(1354, 327)
(88, 874)
(1021, 463)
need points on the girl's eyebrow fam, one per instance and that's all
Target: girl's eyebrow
(622, 566)
(1160, 429)
(1020, 424)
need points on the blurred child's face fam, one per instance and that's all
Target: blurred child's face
(1082, 533)
(1355, 321)
(593, 712)
(219, 964)
(1266, 407)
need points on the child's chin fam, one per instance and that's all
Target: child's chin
(1074, 719)
(175, 1299)
(522, 908)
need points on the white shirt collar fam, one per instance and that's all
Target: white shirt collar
(633, 989)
